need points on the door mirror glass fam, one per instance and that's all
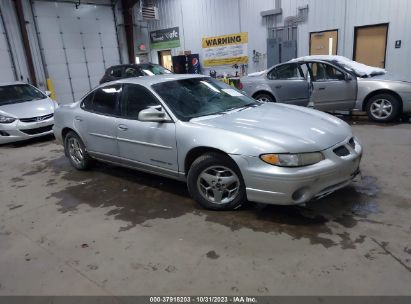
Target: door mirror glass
(154, 114)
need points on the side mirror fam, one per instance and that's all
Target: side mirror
(154, 114)
(348, 77)
(48, 93)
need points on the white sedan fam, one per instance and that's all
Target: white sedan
(25, 112)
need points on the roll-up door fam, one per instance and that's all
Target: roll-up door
(78, 44)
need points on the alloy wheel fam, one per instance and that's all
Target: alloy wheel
(75, 151)
(263, 99)
(381, 108)
(218, 184)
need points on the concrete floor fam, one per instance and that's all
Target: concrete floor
(113, 231)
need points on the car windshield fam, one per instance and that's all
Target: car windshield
(19, 93)
(154, 69)
(196, 97)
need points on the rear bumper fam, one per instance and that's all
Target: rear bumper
(287, 186)
(18, 131)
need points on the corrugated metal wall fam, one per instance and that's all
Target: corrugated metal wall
(345, 15)
(199, 18)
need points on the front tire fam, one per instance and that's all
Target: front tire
(76, 151)
(215, 182)
(264, 97)
(383, 108)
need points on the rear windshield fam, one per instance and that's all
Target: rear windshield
(19, 93)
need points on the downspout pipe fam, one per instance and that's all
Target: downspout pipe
(127, 6)
(26, 43)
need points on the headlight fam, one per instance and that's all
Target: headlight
(6, 119)
(292, 160)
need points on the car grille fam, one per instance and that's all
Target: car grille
(341, 151)
(37, 130)
(38, 118)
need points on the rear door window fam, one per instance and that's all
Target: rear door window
(116, 72)
(103, 100)
(132, 72)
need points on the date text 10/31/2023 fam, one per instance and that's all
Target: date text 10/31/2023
(203, 299)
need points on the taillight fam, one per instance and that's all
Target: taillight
(240, 85)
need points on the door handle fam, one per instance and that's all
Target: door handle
(321, 89)
(278, 87)
(123, 127)
(78, 118)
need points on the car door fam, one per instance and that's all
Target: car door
(97, 122)
(289, 84)
(148, 145)
(332, 88)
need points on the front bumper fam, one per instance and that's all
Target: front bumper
(18, 130)
(287, 186)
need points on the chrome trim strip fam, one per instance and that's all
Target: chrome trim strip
(102, 135)
(144, 143)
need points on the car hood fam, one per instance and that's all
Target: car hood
(28, 109)
(390, 77)
(289, 129)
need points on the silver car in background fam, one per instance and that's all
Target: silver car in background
(228, 147)
(332, 83)
(25, 112)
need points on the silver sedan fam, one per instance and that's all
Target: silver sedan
(25, 112)
(332, 83)
(227, 147)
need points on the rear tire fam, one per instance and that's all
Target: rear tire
(76, 151)
(215, 182)
(264, 97)
(383, 107)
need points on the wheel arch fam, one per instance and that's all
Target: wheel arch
(66, 130)
(381, 91)
(264, 92)
(196, 152)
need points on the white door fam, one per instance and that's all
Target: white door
(78, 45)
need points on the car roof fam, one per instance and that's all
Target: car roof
(327, 58)
(150, 80)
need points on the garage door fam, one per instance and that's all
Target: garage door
(6, 63)
(78, 44)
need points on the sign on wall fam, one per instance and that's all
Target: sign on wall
(225, 50)
(165, 39)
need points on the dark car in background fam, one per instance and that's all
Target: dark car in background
(117, 72)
